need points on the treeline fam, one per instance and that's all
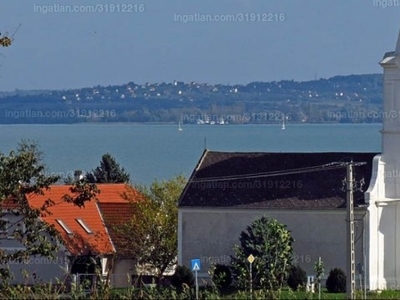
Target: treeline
(344, 99)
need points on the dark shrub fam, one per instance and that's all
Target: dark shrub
(222, 276)
(297, 277)
(182, 275)
(336, 282)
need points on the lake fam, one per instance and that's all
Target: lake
(151, 152)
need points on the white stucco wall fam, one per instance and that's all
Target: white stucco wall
(383, 194)
(122, 272)
(210, 234)
(36, 269)
(383, 228)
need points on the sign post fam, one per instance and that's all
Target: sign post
(251, 260)
(196, 267)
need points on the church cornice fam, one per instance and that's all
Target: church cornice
(391, 77)
(390, 131)
(386, 202)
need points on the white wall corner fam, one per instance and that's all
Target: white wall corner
(376, 187)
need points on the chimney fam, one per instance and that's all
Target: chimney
(78, 175)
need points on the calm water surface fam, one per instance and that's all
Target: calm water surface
(151, 152)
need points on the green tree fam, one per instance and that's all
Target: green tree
(271, 244)
(183, 275)
(6, 40)
(109, 171)
(336, 282)
(151, 235)
(297, 277)
(221, 276)
(22, 173)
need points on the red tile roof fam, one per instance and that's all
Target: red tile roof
(81, 242)
(9, 203)
(113, 193)
(117, 211)
(115, 215)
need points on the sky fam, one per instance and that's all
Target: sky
(209, 41)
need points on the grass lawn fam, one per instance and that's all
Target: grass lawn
(304, 295)
(286, 294)
(326, 295)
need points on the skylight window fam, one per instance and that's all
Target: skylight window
(64, 226)
(84, 226)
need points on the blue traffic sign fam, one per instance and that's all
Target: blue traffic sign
(195, 264)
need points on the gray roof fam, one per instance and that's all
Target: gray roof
(273, 180)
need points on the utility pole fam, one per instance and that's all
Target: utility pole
(351, 260)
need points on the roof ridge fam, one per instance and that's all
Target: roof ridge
(113, 202)
(287, 152)
(113, 183)
(105, 226)
(203, 156)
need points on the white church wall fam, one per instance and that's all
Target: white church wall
(384, 245)
(210, 234)
(383, 194)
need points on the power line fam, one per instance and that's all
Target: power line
(325, 167)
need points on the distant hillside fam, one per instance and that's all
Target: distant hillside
(345, 99)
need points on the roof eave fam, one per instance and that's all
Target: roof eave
(182, 196)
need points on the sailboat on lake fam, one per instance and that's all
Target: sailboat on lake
(283, 122)
(179, 127)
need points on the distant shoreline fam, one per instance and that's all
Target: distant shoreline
(189, 124)
(340, 99)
